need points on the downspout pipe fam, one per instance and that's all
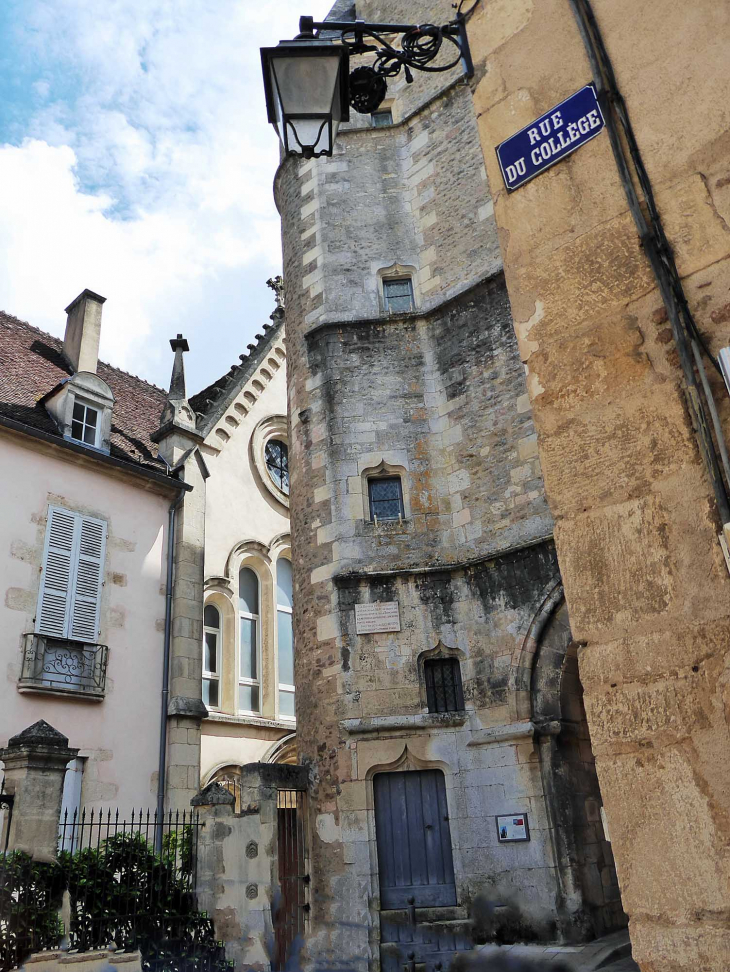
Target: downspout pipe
(162, 762)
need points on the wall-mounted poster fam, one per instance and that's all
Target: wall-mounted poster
(512, 827)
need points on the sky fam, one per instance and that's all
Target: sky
(136, 160)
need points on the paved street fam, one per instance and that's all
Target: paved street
(611, 954)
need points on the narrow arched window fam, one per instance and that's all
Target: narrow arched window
(276, 455)
(285, 637)
(249, 684)
(211, 656)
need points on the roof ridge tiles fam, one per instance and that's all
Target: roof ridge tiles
(212, 396)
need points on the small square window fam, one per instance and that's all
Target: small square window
(85, 424)
(386, 498)
(398, 295)
(382, 119)
(443, 685)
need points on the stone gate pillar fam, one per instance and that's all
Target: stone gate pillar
(35, 766)
(234, 875)
(237, 863)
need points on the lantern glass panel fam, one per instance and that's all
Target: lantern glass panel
(306, 85)
(306, 97)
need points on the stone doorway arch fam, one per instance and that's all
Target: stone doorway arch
(589, 899)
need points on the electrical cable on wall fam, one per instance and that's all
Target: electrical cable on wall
(690, 343)
(470, 11)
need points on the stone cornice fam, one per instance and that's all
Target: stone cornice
(405, 723)
(425, 312)
(353, 576)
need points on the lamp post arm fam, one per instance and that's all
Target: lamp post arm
(357, 25)
(421, 43)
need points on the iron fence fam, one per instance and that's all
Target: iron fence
(117, 883)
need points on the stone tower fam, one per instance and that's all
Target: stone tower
(438, 702)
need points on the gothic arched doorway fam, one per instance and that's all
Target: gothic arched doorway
(589, 897)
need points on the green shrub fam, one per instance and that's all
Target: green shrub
(121, 893)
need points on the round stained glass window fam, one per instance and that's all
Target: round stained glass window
(277, 463)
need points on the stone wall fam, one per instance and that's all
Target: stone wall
(436, 396)
(238, 877)
(636, 525)
(396, 192)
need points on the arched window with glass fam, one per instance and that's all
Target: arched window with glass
(285, 637)
(276, 455)
(249, 684)
(211, 656)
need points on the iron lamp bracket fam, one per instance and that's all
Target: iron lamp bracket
(420, 46)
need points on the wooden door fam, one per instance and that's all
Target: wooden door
(414, 840)
(291, 906)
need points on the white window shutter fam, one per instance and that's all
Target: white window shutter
(88, 581)
(73, 575)
(57, 575)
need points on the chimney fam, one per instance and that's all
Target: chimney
(83, 330)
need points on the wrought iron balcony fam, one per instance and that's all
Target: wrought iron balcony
(63, 667)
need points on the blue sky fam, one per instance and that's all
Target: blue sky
(135, 159)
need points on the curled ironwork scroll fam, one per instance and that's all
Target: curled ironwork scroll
(419, 48)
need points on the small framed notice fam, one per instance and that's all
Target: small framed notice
(512, 827)
(376, 617)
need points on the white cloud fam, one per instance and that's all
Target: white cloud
(146, 174)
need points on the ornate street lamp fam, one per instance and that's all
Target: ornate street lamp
(305, 81)
(309, 93)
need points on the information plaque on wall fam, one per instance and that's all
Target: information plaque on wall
(377, 617)
(512, 827)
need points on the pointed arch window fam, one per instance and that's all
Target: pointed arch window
(285, 637)
(249, 680)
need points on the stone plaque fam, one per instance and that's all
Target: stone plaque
(376, 617)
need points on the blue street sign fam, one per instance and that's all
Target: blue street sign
(550, 138)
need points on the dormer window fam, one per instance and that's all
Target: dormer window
(82, 407)
(85, 425)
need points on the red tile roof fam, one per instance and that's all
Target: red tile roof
(32, 364)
